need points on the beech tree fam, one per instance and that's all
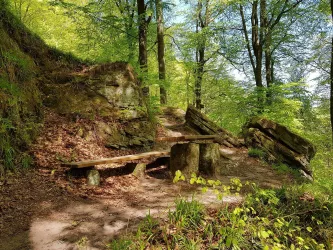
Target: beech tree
(331, 76)
(198, 41)
(143, 23)
(260, 39)
(160, 50)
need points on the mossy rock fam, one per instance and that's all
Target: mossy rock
(279, 143)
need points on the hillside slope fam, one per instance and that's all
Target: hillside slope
(38, 81)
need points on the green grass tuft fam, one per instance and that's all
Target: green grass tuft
(256, 152)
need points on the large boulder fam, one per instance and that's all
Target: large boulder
(279, 143)
(110, 97)
(201, 124)
(102, 90)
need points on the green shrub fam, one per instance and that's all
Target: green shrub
(188, 214)
(284, 218)
(149, 227)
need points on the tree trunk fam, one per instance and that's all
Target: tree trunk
(160, 51)
(257, 45)
(129, 30)
(202, 22)
(143, 57)
(268, 62)
(331, 80)
(267, 43)
(198, 78)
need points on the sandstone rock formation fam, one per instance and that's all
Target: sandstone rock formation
(201, 124)
(279, 143)
(108, 95)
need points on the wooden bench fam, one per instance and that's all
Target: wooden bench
(89, 165)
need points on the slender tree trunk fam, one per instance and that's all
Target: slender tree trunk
(247, 40)
(202, 22)
(266, 40)
(331, 80)
(268, 61)
(143, 56)
(257, 45)
(160, 50)
(199, 77)
(267, 43)
(130, 9)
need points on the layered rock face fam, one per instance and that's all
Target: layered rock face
(201, 124)
(280, 144)
(110, 96)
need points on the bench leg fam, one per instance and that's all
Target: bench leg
(93, 177)
(139, 171)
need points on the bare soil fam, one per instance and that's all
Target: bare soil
(48, 209)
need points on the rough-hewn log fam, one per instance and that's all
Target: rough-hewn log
(119, 159)
(187, 138)
(203, 125)
(185, 157)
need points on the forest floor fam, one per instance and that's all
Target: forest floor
(44, 209)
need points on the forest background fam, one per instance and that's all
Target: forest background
(233, 59)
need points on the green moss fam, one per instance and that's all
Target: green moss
(20, 104)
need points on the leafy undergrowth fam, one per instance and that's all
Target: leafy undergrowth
(267, 219)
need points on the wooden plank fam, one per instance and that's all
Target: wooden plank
(187, 138)
(119, 159)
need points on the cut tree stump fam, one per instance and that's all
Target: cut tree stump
(209, 159)
(185, 157)
(192, 158)
(200, 123)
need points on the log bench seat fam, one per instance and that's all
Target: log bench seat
(93, 177)
(188, 138)
(118, 159)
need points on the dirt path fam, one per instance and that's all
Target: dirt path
(50, 211)
(94, 223)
